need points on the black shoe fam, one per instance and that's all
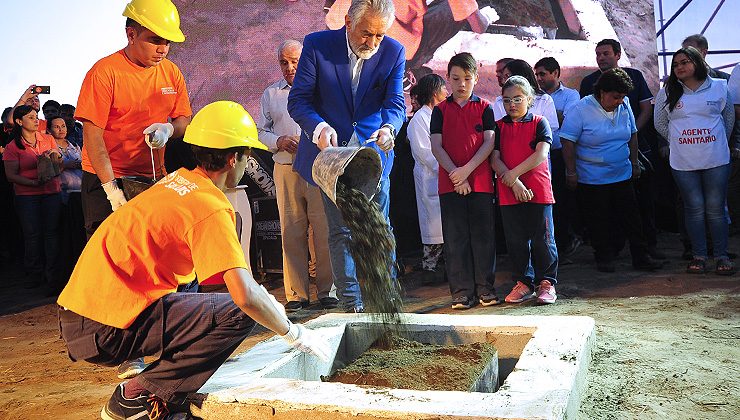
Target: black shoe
(296, 305)
(119, 407)
(656, 254)
(605, 266)
(328, 302)
(462, 302)
(647, 264)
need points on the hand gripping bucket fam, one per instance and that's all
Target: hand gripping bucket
(358, 168)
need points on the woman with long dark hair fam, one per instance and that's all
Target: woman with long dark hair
(37, 197)
(695, 113)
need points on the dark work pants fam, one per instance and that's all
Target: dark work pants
(470, 243)
(530, 240)
(192, 334)
(602, 204)
(95, 204)
(564, 210)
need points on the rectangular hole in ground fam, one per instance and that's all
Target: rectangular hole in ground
(358, 337)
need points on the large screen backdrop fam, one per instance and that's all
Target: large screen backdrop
(231, 46)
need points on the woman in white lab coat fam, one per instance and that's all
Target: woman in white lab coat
(429, 91)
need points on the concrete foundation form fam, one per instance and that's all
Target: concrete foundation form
(542, 365)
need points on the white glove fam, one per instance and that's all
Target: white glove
(490, 13)
(161, 133)
(114, 194)
(307, 341)
(274, 302)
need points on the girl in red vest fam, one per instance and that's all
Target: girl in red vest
(519, 158)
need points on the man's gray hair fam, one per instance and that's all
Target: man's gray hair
(288, 43)
(382, 8)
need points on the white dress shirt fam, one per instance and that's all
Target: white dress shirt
(275, 121)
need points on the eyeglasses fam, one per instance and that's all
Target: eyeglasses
(681, 63)
(517, 100)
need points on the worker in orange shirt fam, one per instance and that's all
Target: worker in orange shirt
(121, 301)
(130, 93)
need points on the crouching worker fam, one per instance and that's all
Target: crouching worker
(121, 301)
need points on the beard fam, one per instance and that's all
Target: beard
(364, 52)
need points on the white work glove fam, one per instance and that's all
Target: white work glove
(490, 14)
(307, 341)
(114, 194)
(157, 134)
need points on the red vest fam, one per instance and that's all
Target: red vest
(462, 136)
(516, 144)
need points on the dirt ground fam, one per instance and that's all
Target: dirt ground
(667, 343)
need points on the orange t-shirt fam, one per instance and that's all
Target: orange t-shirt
(28, 160)
(124, 99)
(181, 225)
(43, 124)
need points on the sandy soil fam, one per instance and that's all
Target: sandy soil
(667, 343)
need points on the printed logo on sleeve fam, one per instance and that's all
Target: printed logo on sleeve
(169, 90)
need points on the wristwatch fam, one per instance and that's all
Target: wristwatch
(392, 129)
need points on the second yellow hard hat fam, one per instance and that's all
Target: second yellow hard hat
(159, 16)
(221, 125)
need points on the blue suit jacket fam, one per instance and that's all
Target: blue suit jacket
(322, 91)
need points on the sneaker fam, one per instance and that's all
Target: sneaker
(296, 305)
(356, 310)
(119, 407)
(488, 299)
(520, 293)
(131, 368)
(462, 302)
(546, 292)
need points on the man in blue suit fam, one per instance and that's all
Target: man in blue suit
(348, 92)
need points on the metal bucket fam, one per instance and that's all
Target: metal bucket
(358, 168)
(135, 185)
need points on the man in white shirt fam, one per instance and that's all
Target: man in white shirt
(299, 203)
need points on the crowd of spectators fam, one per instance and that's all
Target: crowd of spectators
(602, 159)
(607, 144)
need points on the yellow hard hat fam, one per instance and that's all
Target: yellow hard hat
(159, 16)
(223, 124)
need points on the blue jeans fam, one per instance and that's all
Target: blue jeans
(40, 216)
(530, 240)
(704, 193)
(342, 263)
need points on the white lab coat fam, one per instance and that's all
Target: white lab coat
(426, 172)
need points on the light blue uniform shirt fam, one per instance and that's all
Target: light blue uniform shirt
(602, 142)
(565, 98)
